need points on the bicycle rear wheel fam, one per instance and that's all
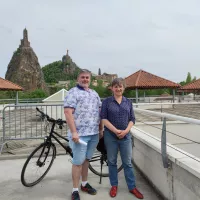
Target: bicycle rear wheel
(95, 164)
(38, 164)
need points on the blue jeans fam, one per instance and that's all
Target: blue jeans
(113, 144)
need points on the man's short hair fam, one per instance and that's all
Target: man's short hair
(84, 71)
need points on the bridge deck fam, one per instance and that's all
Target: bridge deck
(57, 184)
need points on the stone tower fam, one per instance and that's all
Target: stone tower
(24, 68)
(24, 41)
(99, 72)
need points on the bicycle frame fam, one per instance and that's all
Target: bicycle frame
(51, 135)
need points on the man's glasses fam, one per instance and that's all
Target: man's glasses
(85, 77)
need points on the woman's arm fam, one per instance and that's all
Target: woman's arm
(126, 131)
(130, 124)
(110, 126)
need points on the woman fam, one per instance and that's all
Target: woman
(118, 118)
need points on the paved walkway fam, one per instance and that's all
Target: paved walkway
(57, 184)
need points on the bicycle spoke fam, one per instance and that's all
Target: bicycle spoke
(37, 165)
(95, 163)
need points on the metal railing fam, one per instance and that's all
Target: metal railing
(165, 116)
(190, 109)
(23, 122)
(13, 101)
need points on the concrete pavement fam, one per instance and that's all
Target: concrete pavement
(57, 184)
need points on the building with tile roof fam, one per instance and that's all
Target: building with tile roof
(193, 86)
(145, 80)
(8, 85)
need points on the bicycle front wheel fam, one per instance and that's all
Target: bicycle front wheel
(38, 164)
(98, 158)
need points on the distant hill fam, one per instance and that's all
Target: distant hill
(61, 70)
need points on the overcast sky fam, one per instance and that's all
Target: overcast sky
(118, 36)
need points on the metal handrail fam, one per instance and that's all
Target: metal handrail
(170, 116)
(166, 103)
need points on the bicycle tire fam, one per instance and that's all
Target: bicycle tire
(107, 174)
(23, 173)
(97, 172)
(103, 174)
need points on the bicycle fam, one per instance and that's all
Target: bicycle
(47, 150)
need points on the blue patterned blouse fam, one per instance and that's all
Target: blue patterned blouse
(119, 115)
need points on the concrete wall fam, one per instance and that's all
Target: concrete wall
(181, 181)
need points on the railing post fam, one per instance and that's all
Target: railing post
(164, 145)
(4, 124)
(17, 98)
(2, 142)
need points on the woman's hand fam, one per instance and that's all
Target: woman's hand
(117, 132)
(122, 134)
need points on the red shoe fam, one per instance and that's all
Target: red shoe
(137, 193)
(113, 191)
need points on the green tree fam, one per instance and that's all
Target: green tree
(101, 90)
(38, 93)
(71, 84)
(182, 83)
(194, 79)
(189, 78)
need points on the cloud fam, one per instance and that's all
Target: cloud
(5, 29)
(161, 37)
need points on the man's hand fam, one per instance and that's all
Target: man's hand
(122, 134)
(75, 137)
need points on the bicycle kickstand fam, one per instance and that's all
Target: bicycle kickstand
(101, 171)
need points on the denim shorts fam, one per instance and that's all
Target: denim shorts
(82, 152)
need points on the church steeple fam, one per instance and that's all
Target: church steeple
(99, 72)
(25, 34)
(24, 41)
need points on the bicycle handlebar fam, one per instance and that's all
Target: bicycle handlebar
(50, 119)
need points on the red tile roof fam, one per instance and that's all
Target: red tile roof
(144, 80)
(194, 85)
(7, 85)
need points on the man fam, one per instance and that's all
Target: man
(81, 108)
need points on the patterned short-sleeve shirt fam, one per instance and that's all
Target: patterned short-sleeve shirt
(86, 104)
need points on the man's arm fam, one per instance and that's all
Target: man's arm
(101, 129)
(70, 121)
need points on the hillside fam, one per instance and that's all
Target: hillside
(61, 70)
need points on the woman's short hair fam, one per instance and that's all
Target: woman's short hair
(118, 81)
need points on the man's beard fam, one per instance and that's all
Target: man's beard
(84, 85)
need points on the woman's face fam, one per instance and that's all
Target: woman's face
(118, 89)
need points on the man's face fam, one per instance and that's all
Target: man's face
(84, 80)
